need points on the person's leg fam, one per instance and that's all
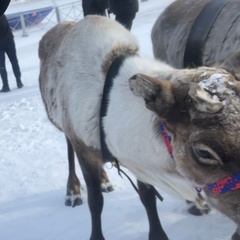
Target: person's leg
(125, 19)
(3, 72)
(3, 6)
(12, 55)
(90, 8)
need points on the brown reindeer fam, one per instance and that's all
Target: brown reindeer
(76, 61)
(172, 28)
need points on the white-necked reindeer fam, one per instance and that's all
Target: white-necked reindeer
(75, 60)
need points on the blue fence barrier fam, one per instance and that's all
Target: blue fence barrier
(31, 18)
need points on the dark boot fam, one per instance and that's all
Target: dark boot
(19, 84)
(5, 88)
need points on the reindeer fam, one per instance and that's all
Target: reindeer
(76, 60)
(172, 28)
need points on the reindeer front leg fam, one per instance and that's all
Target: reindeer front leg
(148, 198)
(91, 166)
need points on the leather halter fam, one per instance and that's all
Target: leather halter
(199, 32)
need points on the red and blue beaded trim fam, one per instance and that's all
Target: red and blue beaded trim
(167, 139)
(224, 185)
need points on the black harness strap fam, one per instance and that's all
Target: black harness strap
(112, 73)
(199, 33)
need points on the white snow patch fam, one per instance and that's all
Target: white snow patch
(217, 84)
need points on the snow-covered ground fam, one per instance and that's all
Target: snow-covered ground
(33, 166)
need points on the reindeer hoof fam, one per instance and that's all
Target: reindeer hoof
(206, 209)
(199, 212)
(195, 211)
(68, 202)
(107, 187)
(77, 202)
(73, 201)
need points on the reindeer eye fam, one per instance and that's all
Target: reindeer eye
(205, 154)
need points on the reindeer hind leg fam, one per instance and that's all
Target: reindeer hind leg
(73, 195)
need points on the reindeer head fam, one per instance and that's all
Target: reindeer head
(201, 109)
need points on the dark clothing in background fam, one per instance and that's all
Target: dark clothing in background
(125, 10)
(3, 6)
(10, 50)
(7, 46)
(125, 19)
(124, 6)
(94, 7)
(5, 31)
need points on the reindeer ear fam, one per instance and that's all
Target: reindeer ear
(144, 86)
(156, 93)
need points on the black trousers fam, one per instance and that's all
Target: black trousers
(90, 8)
(10, 49)
(125, 19)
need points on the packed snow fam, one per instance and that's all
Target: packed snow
(34, 170)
